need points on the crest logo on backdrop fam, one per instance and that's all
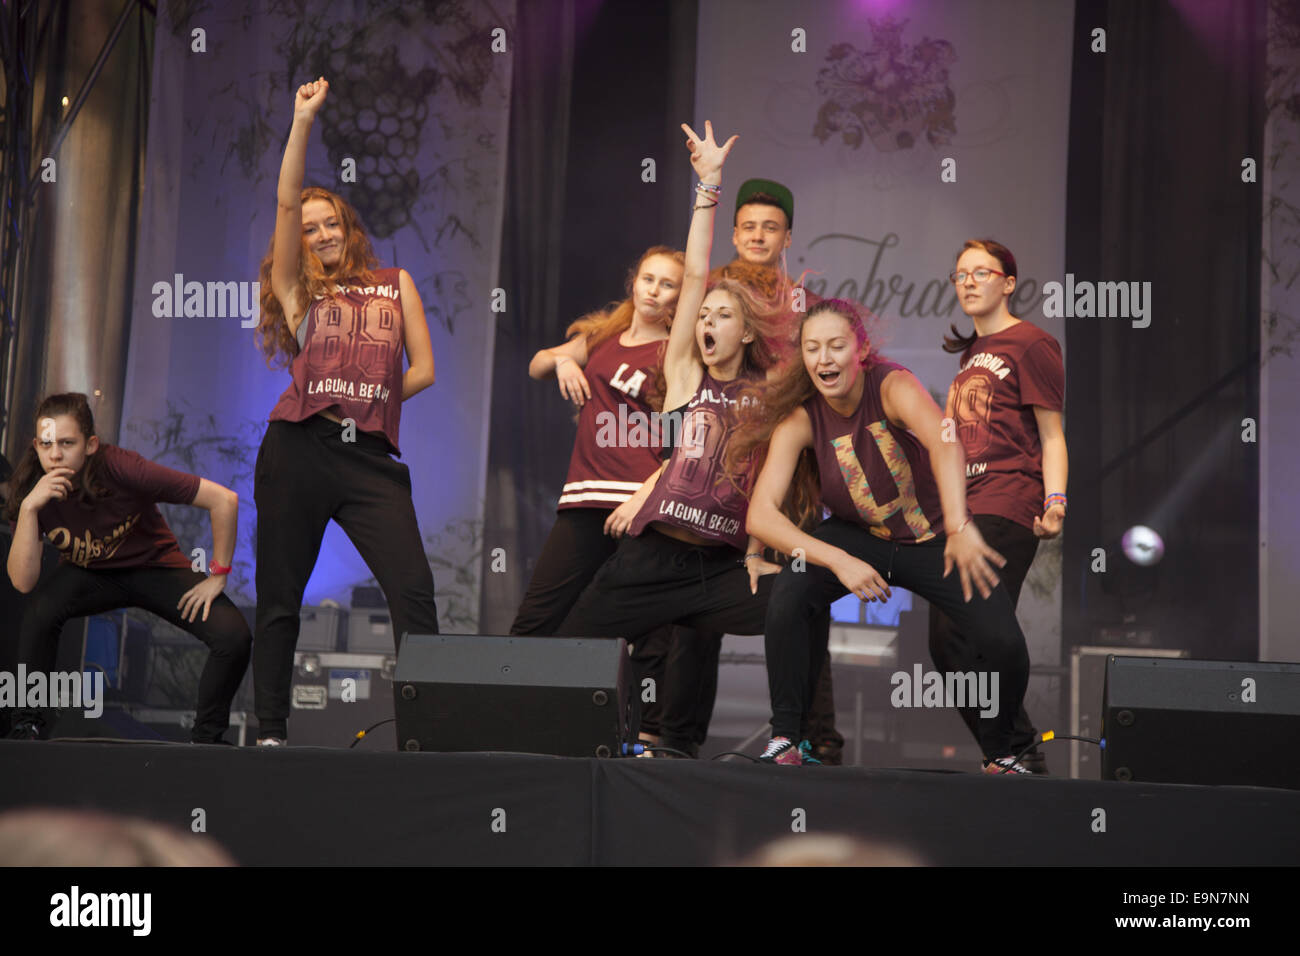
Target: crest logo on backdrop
(889, 93)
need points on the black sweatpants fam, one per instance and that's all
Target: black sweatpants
(996, 644)
(949, 648)
(70, 591)
(574, 551)
(305, 475)
(653, 580)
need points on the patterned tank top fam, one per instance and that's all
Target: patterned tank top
(873, 472)
(617, 447)
(693, 493)
(350, 359)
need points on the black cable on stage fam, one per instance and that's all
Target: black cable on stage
(362, 733)
(668, 750)
(736, 753)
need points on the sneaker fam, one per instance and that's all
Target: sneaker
(782, 750)
(806, 753)
(25, 730)
(1005, 765)
(272, 742)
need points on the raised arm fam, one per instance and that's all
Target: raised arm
(287, 245)
(682, 366)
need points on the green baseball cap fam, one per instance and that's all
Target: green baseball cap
(770, 192)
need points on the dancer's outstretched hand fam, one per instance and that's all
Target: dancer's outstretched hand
(310, 97)
(757, 568)
(706, 155)
(1051, 523)
(862, 579)
(974, 560)
(573, 384)
(621, 518)
(201, 596)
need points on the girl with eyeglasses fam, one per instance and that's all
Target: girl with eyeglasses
(1006, 404)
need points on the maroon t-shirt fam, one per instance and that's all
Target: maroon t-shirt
(618, 442)
(992, 399)
(873, 472)
(350, 359)
(693, 492)
(123, 529)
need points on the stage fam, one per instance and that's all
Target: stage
(305, 806)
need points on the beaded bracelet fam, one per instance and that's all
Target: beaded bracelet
(714, 188)
(1054, 499)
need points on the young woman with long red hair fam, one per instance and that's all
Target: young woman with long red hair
(1006, 403)
(343, 325)
(687, 558)
(866, 441)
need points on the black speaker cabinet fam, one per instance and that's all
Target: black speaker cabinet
(1204, 722)
(542, 695)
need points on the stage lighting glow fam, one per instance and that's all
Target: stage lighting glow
(1143, 546)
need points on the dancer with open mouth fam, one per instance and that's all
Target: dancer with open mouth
(687, 558)
(896, 491)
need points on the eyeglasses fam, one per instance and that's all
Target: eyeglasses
(981, 275)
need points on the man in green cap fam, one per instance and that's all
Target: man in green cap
(764, 218)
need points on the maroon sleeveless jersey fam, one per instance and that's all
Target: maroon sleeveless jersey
(350, 359)
(618, 445)
(873, 472)
(693, 492)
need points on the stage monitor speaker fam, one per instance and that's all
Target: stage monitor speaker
(541, 695)
(1202, 722)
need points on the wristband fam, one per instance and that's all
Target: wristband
(214, 568)
(752, 554)
(1054, 499)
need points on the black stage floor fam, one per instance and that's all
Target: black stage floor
(304, 806)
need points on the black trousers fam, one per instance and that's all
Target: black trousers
(70, 591)
(305, 475)
(653, 580)
(949, 648)
(996, 644)
(574, 551)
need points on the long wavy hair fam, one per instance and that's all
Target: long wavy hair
(776, 400)
(356, 267)
(29, 470)
(960, 343)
